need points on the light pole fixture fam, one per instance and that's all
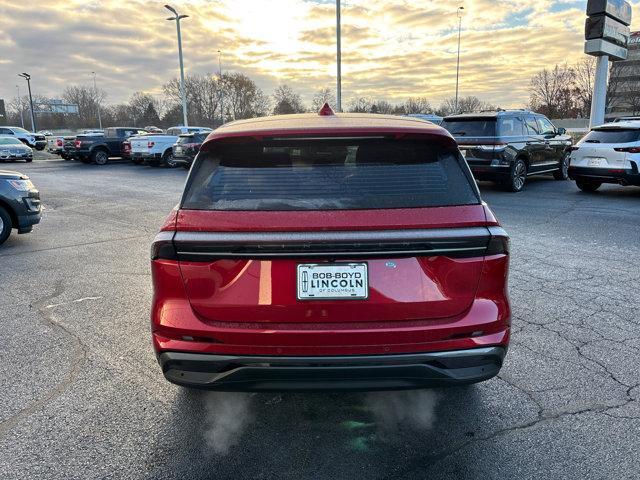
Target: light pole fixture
(20, 106)
(27, 77)
(183, 95)
(459, 13)
(95, 89)
(338, 59)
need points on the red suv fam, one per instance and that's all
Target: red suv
(330, 252)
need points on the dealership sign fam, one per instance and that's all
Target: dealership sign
(606, 29)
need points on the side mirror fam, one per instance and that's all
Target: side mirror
(562, 131)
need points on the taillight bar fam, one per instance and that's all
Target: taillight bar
(627, 149)
(451, 242)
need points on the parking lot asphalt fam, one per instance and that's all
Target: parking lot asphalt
(83, 397)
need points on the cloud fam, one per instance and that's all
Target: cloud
(392, 49)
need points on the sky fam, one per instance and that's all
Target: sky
(391, 49)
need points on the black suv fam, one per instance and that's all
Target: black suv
(508, 145)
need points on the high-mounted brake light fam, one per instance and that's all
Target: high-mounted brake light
(326, 111)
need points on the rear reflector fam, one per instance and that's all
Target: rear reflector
(162, 247)
(499, 242)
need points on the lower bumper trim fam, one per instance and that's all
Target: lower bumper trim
(339, 373)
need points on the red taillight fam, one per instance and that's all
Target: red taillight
(628, 149)
(59, 143)
(126, 146)
(150, 144)
(78, 143)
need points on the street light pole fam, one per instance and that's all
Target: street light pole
(95, 89)
(221, 88)
(27, 77)
(459, 13)
(338, 59)
(177, 19)
(20, 104)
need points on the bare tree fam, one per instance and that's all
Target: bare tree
(87, 99)
(468, 104)
(242, 97)
(360, 105)
(552, 92)
(417, 105)
(287, 101)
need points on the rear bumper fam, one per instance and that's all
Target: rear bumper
(482, 169)
(332, 373)
(628, 176)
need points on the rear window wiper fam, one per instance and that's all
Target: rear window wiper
(459, 133)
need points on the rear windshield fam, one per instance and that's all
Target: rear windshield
(471, 127)
(612, 135)
(328, 175)
(193, 138)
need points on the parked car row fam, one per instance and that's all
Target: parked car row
(150, 145)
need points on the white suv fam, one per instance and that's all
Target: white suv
(609, 153)
(33, 140)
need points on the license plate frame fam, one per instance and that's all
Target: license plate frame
(356, 288)
(597, 162)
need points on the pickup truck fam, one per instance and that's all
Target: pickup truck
(94, 148)
(56, 143)
(156, 150)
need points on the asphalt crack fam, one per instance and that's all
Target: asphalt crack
(79, 356)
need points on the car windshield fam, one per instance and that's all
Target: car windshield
(20, 130)
(328, 175)
(9, 141)
(471, 127)
(612, 135)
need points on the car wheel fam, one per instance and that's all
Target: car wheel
(28, 160)
(563, 172)
(5, 225)
(100, 157)
(167, 159)
(518, 176)
(186, 166)
(588, 186)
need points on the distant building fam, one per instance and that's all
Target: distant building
(624, 83)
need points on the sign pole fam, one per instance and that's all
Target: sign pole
(599, 99)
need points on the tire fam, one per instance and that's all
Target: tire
(167, 160)
(5, 225)
(186, 166)
(588, 185)
(85, 160)
(563, 173)
(517, 176)
(28, 160)
(100, 157)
